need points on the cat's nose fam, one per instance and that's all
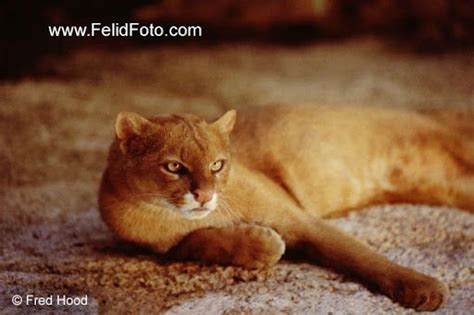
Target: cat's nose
(203, 195)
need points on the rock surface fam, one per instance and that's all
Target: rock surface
(55, 134)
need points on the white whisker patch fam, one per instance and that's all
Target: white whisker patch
(192, 209)
(189, 202)
(211, 204)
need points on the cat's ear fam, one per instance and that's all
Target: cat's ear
(226, 122)
(128, 125)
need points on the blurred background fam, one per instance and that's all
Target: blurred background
(424, 25)
(59, 98)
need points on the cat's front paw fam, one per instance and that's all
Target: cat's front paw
(260, 247)
(415, 290)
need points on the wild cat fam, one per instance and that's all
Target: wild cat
(238, 193)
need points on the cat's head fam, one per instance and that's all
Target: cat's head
(178, 162)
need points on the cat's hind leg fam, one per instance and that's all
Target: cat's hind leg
(249, 246)
(437, 172)
(457, 146)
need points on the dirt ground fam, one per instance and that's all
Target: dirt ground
(55, 131)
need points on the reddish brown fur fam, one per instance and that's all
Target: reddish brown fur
(290, 166)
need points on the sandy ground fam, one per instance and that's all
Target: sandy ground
(55, 132)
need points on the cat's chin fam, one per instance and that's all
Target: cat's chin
(195, 214)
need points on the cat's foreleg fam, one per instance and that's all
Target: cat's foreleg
(335, 249)
(249, 246)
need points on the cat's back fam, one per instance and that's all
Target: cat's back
(293, 129)
(323, 156)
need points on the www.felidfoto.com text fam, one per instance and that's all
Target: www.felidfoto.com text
(124, 30)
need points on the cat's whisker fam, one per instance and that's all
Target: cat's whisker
(223, 207)
(228, 214)
(231, 214)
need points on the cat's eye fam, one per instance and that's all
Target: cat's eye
(174, 167)
(217, 166)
